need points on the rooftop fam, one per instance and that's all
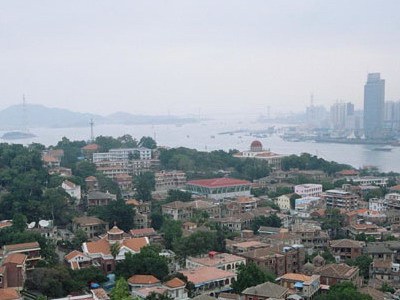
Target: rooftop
(206, 274)
(174, 283)
(267, 289)
(218, 182)
(345, 243)
(88, 221)
(15, 258)
(217, 259)
(9, 294)
(22, 247)
(143, 279)
(342, 271)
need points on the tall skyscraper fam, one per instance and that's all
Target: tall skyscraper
(341, 113)
(374, 106)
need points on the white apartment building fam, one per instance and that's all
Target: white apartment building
(122, 154)
(393, 200)
(308, 190)
(381, 181)
(376, 204)
(72, 189)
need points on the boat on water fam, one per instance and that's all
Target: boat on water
(385, 149)
(17, 135)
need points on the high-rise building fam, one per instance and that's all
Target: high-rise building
(341, 114)
(392, 115)
(374, 105)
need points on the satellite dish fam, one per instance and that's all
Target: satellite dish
(44, 223)
(31, 225)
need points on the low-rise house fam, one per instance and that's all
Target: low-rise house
(31, 250)
(267, 290)
(92, 184)
(209, 280)
(140, 220)
(245, 246)
(148, 232)
(312, 236)
(174, 288)
(100, 253)
(222, 261)
(96, 198)
(346, 249)
(386, 271)
(92, 226)
(124, 182)
(305, 286)
(278, 259)
(77, 260)
(235, 223)
(139, 281)
(283, 202)
(368, 229)
(332, 274)
(72, 189)
(13, 271)
(177, 210)
(379, 250)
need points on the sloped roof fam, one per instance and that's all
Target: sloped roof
(206, 274)
(267, 289)
(86, 221)
(143, 231)
(73, 254)
(136, 244)
(100, 246)
(345, 243)
(143, 279)
(15, 258)
(296, 277)
(336, 271)
(218, 182)
(9, 294)
(22, 246)
(174, 283)
(100, 195)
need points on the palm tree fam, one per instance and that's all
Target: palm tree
(115, 249)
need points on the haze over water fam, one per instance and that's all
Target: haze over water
(205, 136)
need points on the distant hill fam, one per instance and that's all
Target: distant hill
(42, 116)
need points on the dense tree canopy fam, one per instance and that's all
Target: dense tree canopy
(343, 290)
(148, 261)
(307, 161)
(250, 275)
(199, 164)
(271, 221)
(144, 184)
(116, 212)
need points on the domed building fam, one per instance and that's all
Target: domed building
(256, 151)
(308, 268)
(318, 261)
(256, 146)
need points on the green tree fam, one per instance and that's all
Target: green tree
(19, 222)
(79, 238)
(250, 275)
(343, 290)
(271, 221)
(147, 142)
(386, 288)
(178, 195)
(115, 248)
(84, 169)
(144, 185)
(172, 231)
(363, 262)
(121, 290)
(148, 261)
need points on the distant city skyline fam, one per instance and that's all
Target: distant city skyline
(196, 57)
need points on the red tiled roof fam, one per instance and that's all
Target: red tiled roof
(219, 182)
(100, 246)
(15, 258)
(174, 283)
(348, 172)
(91, 147)
(395, 188)
(143, 231)
(73, 254)
(5, 223)
(206, 274)
(136, 244)
(143, 279)
(115, 230)
(22, 246)
(9, 294)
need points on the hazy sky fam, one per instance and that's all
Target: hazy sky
(181, 56)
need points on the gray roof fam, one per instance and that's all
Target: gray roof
(100, 195)
(377, 247)
(267, 289)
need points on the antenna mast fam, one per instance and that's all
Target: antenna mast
(91, 130)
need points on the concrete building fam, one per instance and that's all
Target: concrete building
(283, 202)
(72, 189)
(340, 199)
(346, 249)
(97, 198)
(305, 286)
(267, 290)
(256, 151)
(332, 274)
(167, 180)
(123, 154)
(222, 261)
(308, 190)
(374, 104)
(219, 188)
(92, 226)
